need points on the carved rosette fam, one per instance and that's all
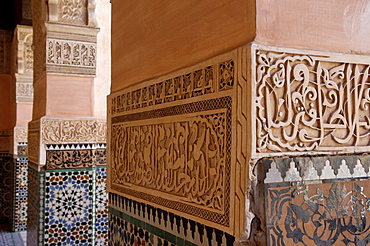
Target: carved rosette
(310, 103)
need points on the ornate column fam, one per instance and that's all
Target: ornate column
(22, 69)
(67, 167)
(7, 118)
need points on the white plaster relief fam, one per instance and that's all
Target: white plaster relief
(327, 172)
(292, 174)
(359, 170)
(24, 92)
(311, 172)
(344, 171)
(273, 175)
(71, 53)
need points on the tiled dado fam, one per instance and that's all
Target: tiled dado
(20, 199)
(71, 205)
(321, 200)
(6, 187)
(136, 223)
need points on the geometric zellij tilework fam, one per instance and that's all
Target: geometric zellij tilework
(6, 187)
(20, 194)
(72, 212)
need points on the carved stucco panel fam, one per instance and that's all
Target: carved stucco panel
(24, 92)
(310, 102)
(73, 57)
(172, 142)
(72, 11)
(56, 131)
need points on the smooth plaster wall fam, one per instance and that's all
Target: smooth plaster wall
(69, 96)
(152, 38)
(23, 114)
(330, 25)
(103, 62)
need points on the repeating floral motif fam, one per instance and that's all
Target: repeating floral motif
(307, 103)
(208, 80)
(68, 208)
(21, 194)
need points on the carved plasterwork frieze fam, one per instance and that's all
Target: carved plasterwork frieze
(56, 131)
(24, 48)
(24, 92)
(200, 82)
(73, 57)
(307, 102)
(179, 162)
(20, 134)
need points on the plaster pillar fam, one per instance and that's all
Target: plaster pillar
(22, 97)
(67, 133)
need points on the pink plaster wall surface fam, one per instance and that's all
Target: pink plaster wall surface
(7, 114)
(69, 96)
(63, 96)
(152, 38)
(330, 25)
(39, 98)
(23, 114)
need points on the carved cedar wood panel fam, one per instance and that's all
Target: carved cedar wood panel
(307, 103)
(171, 142)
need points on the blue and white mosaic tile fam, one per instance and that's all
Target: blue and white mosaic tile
(68, 208)
(21, 194)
